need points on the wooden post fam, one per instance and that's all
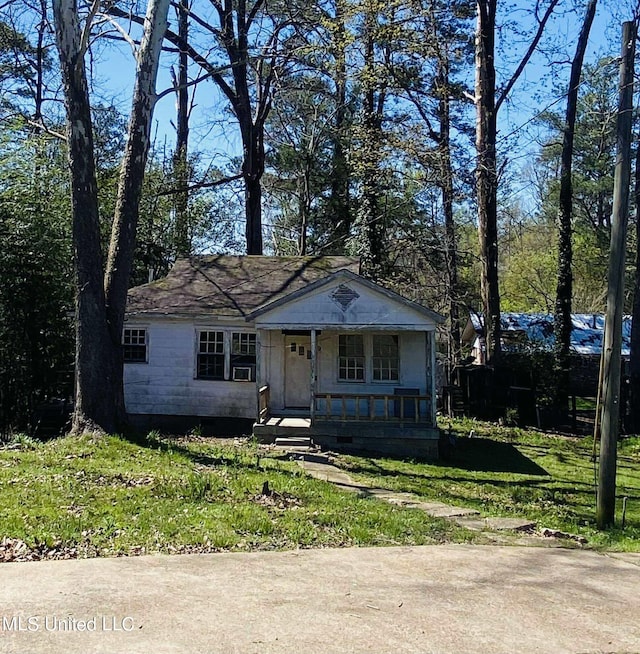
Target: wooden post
(430, 346)
(611, 351)
(314, 350)
(259, 383)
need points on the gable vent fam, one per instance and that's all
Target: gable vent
(344, 296)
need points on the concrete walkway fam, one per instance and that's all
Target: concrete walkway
(320, 466)
(453, 599)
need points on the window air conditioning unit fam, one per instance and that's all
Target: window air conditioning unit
(242, 373)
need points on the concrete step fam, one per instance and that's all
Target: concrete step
(293, 441)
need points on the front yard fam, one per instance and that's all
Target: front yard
(82, 497)
(108, 497)
(513, 472)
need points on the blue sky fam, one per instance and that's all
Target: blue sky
(214, 131)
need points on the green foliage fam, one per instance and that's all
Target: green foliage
(35, 281)
(17, 70)
(506, 471)
(107, 497)
(528, 283)
(592, 178)
(298, 177)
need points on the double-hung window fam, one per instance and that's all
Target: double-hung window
(211, 355)
(134, 345)
(243, 356)
(351, 357)
(226, 356)
(368, 357)
(385, 359)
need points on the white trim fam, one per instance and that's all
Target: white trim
(139, 327)
(367, 342)
(227, 345)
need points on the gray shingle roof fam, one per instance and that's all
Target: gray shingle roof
(231, 285)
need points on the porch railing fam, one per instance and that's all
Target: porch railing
(373, 407)
(263, 403)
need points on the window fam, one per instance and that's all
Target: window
(369, 357)
(134, 345)
(211, 355)
(243, 356)
(226, 356)
(351, 357)
(385, 357)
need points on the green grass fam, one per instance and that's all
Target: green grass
(585, 404)
(517, 473)
(109, 496)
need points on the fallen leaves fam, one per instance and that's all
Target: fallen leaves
(14, 549)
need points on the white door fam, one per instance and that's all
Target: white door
(297, 371)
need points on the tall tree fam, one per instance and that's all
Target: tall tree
(370, 224)
(245, 62)
(437, 48)
(488, 102)
(487, 173)
(36, 343)
(311, 130)
(299, 175)
(181, 153)
(101, 293)
(25, 61)
(339, 206)
(564, 292)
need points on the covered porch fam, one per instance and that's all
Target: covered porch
(347, 363)
(301, 393)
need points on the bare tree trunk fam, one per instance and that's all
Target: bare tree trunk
(487, 107)
(251, 124)
(486, 174)
(180, 158)
(101, 301)
(94, 361)
(304, 205)
(252, 171)
(250, 109)
(40, 66)
(564, 291)
(446, 185)
(339, 200)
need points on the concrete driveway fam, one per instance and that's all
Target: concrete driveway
(425, 599)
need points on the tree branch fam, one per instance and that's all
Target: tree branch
(525, 60)
(194, 55)
(199, 185)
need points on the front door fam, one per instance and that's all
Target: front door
(297, 371)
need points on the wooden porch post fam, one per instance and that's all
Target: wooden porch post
(312, 385)
(258, 371)
(430, 346)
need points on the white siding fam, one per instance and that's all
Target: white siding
(369, 310)
(166, 385)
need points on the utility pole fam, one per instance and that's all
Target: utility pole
(606, 501)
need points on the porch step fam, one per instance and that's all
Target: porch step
(282, 427)
(293, 441)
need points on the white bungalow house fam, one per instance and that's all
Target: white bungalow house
(299, 345)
